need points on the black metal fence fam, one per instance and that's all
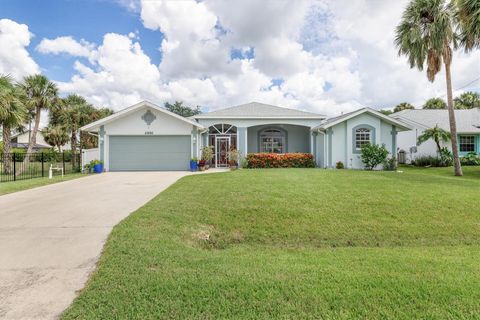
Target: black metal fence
(22, 166)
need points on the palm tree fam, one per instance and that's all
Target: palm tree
(88, 141)
(12, 114)
(467, 100)
(437, 134)
(469, 22)
(426, 33)
(71, 114)
(41, 94)
(56, 136)
(403, 106)
(435, 103)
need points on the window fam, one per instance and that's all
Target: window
(467, 143)
(362, 137)
(272, 141)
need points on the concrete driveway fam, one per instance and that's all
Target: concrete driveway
(52, 236)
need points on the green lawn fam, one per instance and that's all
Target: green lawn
(296, 243)
(14, 186)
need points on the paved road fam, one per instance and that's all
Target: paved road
(52, 236)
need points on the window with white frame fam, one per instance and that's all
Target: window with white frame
(272, 141)
(467, 143)
(363, 136)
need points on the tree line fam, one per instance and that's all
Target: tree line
(22, 103)
(467, 100)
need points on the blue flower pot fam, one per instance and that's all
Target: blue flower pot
(98, 168)
(193, 165)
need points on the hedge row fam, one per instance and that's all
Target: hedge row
(285, 160)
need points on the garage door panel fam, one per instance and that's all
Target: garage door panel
(135, 153)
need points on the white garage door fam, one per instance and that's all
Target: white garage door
(149, 153)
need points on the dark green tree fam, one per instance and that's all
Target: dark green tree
(435, 103)
(403, 106)
(181, 109)
(467, 100)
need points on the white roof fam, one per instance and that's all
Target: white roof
(468, 121)
(336, 120)
(256, 110)
(95, 126)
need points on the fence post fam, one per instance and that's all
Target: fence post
(14, 168)
(63, 160)
(43, 169)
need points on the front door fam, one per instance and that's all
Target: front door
(222, 145)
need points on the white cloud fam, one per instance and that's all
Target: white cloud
(317, 55)
(67, 45)
(368, 28)
(14, 57)
(121, 74)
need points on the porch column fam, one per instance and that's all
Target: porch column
(313, 146)
(194, 143)
(394, 141)
(205, 139)
(101, 143)
(242, 142)
(329, 147)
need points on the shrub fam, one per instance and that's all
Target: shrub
(233, 156)
(428, 161)
(390, 164)
(471, 159)
(339, 165)
(285, 160)
(207, 153)
(373, 155)
(446, 157)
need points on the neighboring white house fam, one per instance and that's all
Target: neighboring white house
(148, 137)
(468, 131)
(21, 139)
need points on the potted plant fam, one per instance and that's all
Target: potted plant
(201, 164)
(193, 164)
(87, 168)
(97, 166)
(207, 155)
(233, 156)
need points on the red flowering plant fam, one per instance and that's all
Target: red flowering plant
(284, 160)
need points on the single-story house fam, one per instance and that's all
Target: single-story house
(21, 139)
(468, 131)
(148, 137)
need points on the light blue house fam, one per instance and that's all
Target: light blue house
(148, 137)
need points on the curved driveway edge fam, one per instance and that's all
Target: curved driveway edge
(51, 237)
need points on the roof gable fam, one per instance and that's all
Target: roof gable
(127, 111)
(259, 110)
(336, 120)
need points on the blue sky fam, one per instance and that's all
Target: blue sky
(317, 55)
(84, 19)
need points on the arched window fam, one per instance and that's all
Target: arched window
(273, 140)
(222, 128)
(363, 136)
